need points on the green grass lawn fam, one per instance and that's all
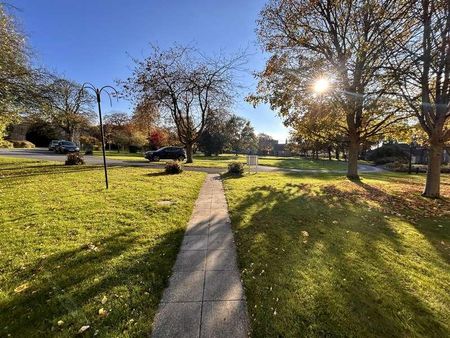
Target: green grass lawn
(325, 257)
(302, 163)
(222, 161)
(73, 254)
(123, 156)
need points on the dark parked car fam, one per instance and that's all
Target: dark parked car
(64, 147)
(53, 144)
(172, 153)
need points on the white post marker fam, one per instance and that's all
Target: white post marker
(252, 160)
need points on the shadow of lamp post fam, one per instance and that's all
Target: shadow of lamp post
(98, 92)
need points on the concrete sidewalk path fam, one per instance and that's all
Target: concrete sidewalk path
(205, 297)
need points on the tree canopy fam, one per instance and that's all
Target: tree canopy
(184, 85)
(19, 90)
(346, 43)
(421, 66)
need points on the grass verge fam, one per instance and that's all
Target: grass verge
(325, 257)
(73, 254)
(222, 161)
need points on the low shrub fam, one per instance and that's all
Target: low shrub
(23, 144)
(89, 150)
(134, 149)
(74, 159)
(393, 165)
(389, 159)
(236, 168)
(5, 144)
(390, 152)
(173, 167)
(415, 168)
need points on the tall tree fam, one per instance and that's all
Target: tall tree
(19, 83)
(145, 117)
(185, 86)
(115, 129)
(317, 128)
(158, 138)
(265, 143)
(69, 107)
(347, 41)
(217, 133)
(243, 138)
(422, 67)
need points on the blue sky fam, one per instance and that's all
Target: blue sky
(93, 40)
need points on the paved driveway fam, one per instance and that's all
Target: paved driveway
(44, 154)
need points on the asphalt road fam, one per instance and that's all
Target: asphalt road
(45, 154)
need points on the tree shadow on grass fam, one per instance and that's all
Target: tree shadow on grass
(18, 167)
(127, 268)
(316, 263)
(321, 175)
(20, 172)
(135, 163)
(230, 176)
(309, 164)
(439, 237)
(219, 158)
(157, 174)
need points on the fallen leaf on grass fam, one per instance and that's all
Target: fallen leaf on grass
(164, 203)
(92, 247)
(104, 299)
(83, 328)
(22, 288)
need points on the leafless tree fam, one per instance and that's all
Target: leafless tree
(185, 85)
(68, 106)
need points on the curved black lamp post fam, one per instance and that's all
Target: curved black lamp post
(98, 93)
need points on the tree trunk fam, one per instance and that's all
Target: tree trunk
(337, 153)
(353, 151)
(71, 134)
(432, 185)
(329, 153)
(189, 152)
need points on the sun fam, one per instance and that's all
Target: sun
(321, 85)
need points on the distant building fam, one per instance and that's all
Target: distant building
(420, 155)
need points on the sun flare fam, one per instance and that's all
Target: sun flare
(321, 85)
